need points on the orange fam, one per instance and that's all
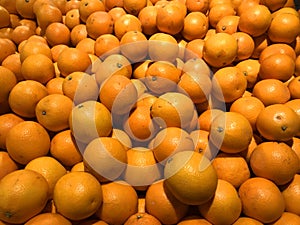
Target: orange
(134, 46)
(78, 33)
(294, 88)
(142, 218)
(13, 63)
(120, 201)
(98, 23)
(250, 68)
(231, 132)
(193, 49)
(297, 66)
(57, 33)
(118, 94)
(218, 11)
(48, 219)
(194, 220)
(161, 77)
(163, 47)
(77, 195)
(8, 81)
(9, 5)
(207, 117)
(27, 140)
(87, 7)
(284, 66)
(200, 139)
(72, 4)
(220, 49)
(25, 9)
(284, 28)
(116, 12)
(227, 197)
(122, 136)
(246, 45)
(147, 16)
(192, 22)
(21, 33)
(53, 112)
(169, 141)
(109, 4)
(72, 18)
(64, 148)
(255, 140)
(9, 47)
(87, 45)
(247, 220)
(170, 19)
(163, 205)
(33, 48)
(72, 60)
(139, 125)
(275, 157)
(141, 162)
(232, 168)
(56, 50)
(105, 157)
(294, 104)
(255, 20)
(255, 194)
(114, 64)
(89, 120)
(295, 146)
(24, 97)
(7, 164)
(291, 194)
(49, 168)
(38, 67)
(277, 48)
(260, 43)
(78, 167)
(278, 122)
(274, 5)
(271, 91)
(168, 110)
(46, 14)
(80, 87)
(228, 24)
(195, 5)
(250, 107)
(54, 86)
(106, 44)
(228, 84)
(287, 218)
(134, 6)
(24, 194)
(126, 23)
(185, 172)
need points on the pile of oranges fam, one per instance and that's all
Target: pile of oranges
(149, 112)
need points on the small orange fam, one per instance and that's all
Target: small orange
(247, 220)
(250, 107)
(250, 68)
(260, 43)
(109, 4)
(77, 195)
(142, 218)
(297, 66)
(120, 201)
(231, 132)
(57, 33)
(116, 12)
(185, 173)
(78, 33)
(271, 91)
(54, 86)
(291, 194)
(53, 112)
(147, 16)
(90, 120)
(106, 158)
(289, 218)
(27, 140)
(207, 117)
(126, 23)
(48, 219)
(278, 122)
(218, 11)
(21, 33)
(38, 67)
(33, 48)
(275, 157)
(64, 148)
(276, 48)
(98, 23)
(134, 6)
(194, 49)
(228, 84)
(228, 24)
(192, 22)
(294, 104)
(255, 194)
(195, 5)
(274, 5)
(294, 87)
(25, 8)
(72, 18)
(9, 5)
(277, 66)
(7, 165)
(13, 63)
(246, 45)
(23, 194)
(194, 220)
(72, 60)
(8, 81)
(24, 97)
(162, 204)
(255, 20)
(9, 47)
(220, 49)
(226, 196)
(87, 7)
(46, 14)
(106, 44)
(232, 168)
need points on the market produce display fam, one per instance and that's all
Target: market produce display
(149, 112)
